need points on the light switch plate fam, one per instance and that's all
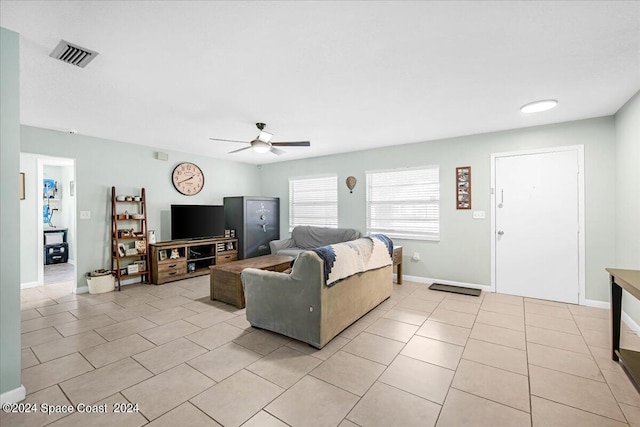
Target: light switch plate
(479, 215)
(85, 214)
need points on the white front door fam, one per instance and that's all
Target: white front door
(537, 224)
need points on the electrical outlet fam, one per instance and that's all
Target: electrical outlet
(416, 256)
(85, 214)
(479, 215)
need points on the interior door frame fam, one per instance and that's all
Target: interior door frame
(579, 149)
(41, 162)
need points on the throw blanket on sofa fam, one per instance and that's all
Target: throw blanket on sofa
(346, 259)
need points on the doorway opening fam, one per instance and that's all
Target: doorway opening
(48, 223)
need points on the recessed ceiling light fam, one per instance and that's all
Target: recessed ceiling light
(538, 106)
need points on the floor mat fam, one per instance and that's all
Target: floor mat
(455, 289)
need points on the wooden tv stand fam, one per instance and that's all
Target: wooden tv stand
(181, 259)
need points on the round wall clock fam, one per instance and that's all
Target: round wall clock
(188, 179)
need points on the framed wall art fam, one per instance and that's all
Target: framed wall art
(463, 187)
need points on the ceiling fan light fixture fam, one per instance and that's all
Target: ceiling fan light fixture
(260, 146)
(539, 106)
(265, 136)
(262, 143)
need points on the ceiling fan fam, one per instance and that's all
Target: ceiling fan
(262, 143)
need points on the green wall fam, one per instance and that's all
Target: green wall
(464, 252)
(29, 217)
(9, 212)
(627, 204)
(102, 163)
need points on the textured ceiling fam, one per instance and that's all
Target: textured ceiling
(345, 75)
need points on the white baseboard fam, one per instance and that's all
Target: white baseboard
(85, 289)
(81, 290)
(596, 303)
(416, 279)
(30, 285)
(625, 317)
(13, 396)
(630, 323)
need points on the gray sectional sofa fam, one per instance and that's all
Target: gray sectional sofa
(309, 237)
(304, 304)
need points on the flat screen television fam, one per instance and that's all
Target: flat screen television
(196, 221)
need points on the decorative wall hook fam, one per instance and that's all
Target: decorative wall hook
(351, 182)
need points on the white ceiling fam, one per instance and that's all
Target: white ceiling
(344, 75)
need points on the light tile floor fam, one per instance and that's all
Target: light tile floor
(421, 358)
(58, 273)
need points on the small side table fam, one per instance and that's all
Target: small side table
(397, 262)
(629, 280)
(226, 280)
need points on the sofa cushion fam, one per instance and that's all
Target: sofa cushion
(290, 252)
(309, 237)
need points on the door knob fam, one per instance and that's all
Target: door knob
(500, 233)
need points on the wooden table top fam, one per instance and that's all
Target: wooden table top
(260, 262)
(629, 280)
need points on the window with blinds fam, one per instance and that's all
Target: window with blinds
(404, 203)
(313, 201)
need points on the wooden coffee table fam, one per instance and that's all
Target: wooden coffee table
(226, 284)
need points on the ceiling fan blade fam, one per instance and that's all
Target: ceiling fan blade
(292, 144)
(229, 140)
(240, 149)
(277, 151)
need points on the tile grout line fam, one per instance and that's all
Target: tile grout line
(600, 369)
(526, 346)
(385, 369)
(455, 371)
(322, 361)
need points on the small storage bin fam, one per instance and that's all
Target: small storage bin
(54, 254)
(100, 284)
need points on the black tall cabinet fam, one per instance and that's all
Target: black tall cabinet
(256, 221)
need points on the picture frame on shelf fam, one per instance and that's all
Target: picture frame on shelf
(142, 265)
(122, 249)
(162, 255)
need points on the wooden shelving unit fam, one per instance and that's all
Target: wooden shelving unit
(129, 234)
(180, 259)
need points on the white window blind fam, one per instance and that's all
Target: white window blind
(404, 203)
(313, 201)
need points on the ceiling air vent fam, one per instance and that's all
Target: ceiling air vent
(73, 54)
